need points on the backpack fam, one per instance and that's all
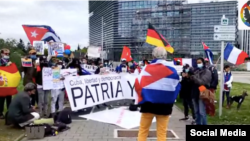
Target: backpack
(212, 68)
(63, 116)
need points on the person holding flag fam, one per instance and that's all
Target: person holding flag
(157, 87)
(6, 94)
(125, 58)
(156, 39)
(209, 64)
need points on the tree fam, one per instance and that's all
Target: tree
(84, 50)
(15, 52)
(78, 48)
(28, 46)
(20, 45)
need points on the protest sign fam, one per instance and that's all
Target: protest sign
(39, 47)
(94, 52)
(51, 79)
(90, 90)
(89, 68)
(68, 72)
(56, 49)
(26, 62)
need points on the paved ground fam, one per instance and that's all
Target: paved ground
(241, 76)
(86, 130)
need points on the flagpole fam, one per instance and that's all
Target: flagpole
(218, 61)
(222, 77)
(102, 41)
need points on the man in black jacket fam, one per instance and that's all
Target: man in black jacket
(215, 79)
(20, 111)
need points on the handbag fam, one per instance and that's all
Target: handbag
(208, 98)
(206, 94)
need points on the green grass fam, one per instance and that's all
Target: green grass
(230, 116)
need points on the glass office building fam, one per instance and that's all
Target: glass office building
(204, 17)
(183, 25)
(244, 40)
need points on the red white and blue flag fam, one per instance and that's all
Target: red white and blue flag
(158, 82)
(40, 33)
(208, 53)
(234, 55)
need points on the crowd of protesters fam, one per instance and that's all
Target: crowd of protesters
(22, 110)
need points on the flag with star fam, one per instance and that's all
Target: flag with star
(126, 54)
(158, 82)
(40, 33)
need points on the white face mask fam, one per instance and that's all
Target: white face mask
(59, 66)
(124, 69)
(6, 57)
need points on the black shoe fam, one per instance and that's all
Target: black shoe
(185, 118)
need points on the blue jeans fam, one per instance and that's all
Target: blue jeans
(200, 112)
(227, 94)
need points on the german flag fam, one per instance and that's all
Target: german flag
(9, 80)
(156, 39)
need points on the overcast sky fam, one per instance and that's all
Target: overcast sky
(69, 19)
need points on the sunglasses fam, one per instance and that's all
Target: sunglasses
(6, 53)
(33, 53)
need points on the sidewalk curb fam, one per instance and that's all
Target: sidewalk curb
(20, 138)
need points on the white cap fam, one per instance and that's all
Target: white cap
(123, 59)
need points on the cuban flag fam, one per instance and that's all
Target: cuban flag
(183, 61)
(158, 82)
(84, 71)
(234, 55)
(40, 33)
(208, 53)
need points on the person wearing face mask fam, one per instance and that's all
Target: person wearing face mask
(5, 57)
(20, 112)
(123, 67)
(200, 77)
(43, 95)
(185, 92)
(106, 64)
(30, 74)
(57, 95)
(4, 61)
(84, 61)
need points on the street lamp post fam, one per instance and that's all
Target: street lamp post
(102, 40)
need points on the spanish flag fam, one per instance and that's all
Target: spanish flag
(9, 80)
(156, 39)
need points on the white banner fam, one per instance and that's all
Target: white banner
(119, 116)
(94, 52)
(90, 90)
